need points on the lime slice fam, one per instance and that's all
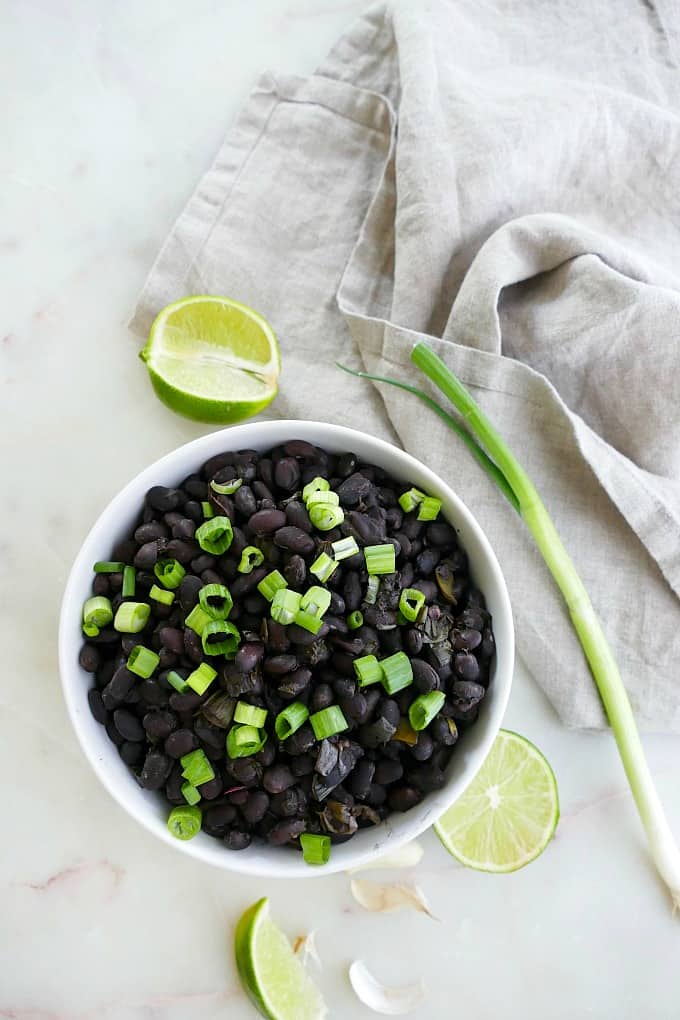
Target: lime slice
(508, 813)
(212, 359)
(272, 975)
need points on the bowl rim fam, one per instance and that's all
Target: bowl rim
(401, 829)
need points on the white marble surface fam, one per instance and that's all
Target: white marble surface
(110, 113)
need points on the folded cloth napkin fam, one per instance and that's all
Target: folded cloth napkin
(502, 180)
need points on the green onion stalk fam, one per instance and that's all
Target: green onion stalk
(525, 498)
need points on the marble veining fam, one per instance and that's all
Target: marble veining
(111, 113)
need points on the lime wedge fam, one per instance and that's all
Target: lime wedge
(272, 975)
(508, 813)
(212, 359)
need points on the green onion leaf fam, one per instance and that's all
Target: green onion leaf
(270, 584)
(197, 620)
(201, 678)
(410, 603)
(190, 793)
(169, 572)
(368, 670)
(355, 620)
(220, 637)
(185, 822)
(216, 601)
(129, 581)
(131, 617)
(397, 672)
(316, 601)
(328, 721)
(226, 488)
(208, 510)
(243, 741)
(316, 849)
(108, 567)
(409, 500)
(308, 621)
(90, 629)
(290, 719)
(196, 768)
(380, 559)
(215, 536)
(250, 557)
(423, 710)
(372, 590)
(142, 661)
(429, 509)
(325, 518)
(323, 566)
(285, 606)
(345, 547)
(97, 611)
(166, 598)
(177, 681)
(317, 484)
(251, 715)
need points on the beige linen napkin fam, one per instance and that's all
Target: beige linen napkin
(504, 181)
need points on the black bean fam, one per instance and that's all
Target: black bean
(373, 735)
(180, 742)
(466, 639)
(295, 539)
(465, 696)
(488, 646)
(428, 588)
(426, 561)
(96, 704)
(121, 683)
(128, 725)
(265, 522)
(346, 465)
(287, 473)
(237, 840)
(427, 778)
(388, 710)
(245, 501)
(295, 571)
(322, 697)
(288, 804)
(159, 723)
(352, 592)
(172, 638)
(163, 499)
(248, 656)
(296, 514)
(366, 530)
(277, 778)
(89, 658)
(150, 532)
(174, 784)
(361, 778)
(466, 666)
(403, 798)
(148, 554)
(153, 693)
(132, 752)
(302, 765)
(267, 755)
(301, 741)
(245, 771)
(425, 678)
(220, 816)
(388, 770)
(255, 808)
(353, 489)
(100, 585)
(294, 683)
(376, 795)
(193, 647)
(155, 770)
(285, 832)
(113, 734)
(245, 583)
(212, 789)
(390, 640)
(300, 448)
(423, 748)
(184, 529)
(354, 708)
(444, 731)
(277, 665)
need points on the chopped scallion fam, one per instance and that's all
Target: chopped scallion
(308, 621)
(250, 557)
(290, 719)
(161, 595)
(226, 488)
(327, 722)
(215, 536)
(142, 661)
(371, 590)
(242, 741)
(323, 499)
(190, 794)
(316, 849)
(316, 601)
(317, 484)
(108, 567)
(410, 603)
(97, 611)
(177, 681)
(397, 672)
(169, 572)
(380, 559)
(129, 581)
(251, 715)
(323, 566)
(201, 678)
(131, 617)
(208, 510)
(325, 518)
(270, 584)
(345, 547)
(285, 606)
(423, 710)
(185, 822)
(90, 629)
(355, 620)
(220, 637)
(368, 670)
(429, 508)
(197, 620)
(216, 601)
(408, 501)
(196, 768)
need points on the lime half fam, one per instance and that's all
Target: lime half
(212, 359)
(272, 975)
(508, 813)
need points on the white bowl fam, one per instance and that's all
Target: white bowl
(149, 809)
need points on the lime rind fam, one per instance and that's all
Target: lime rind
(273, 977)
(508, 814)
